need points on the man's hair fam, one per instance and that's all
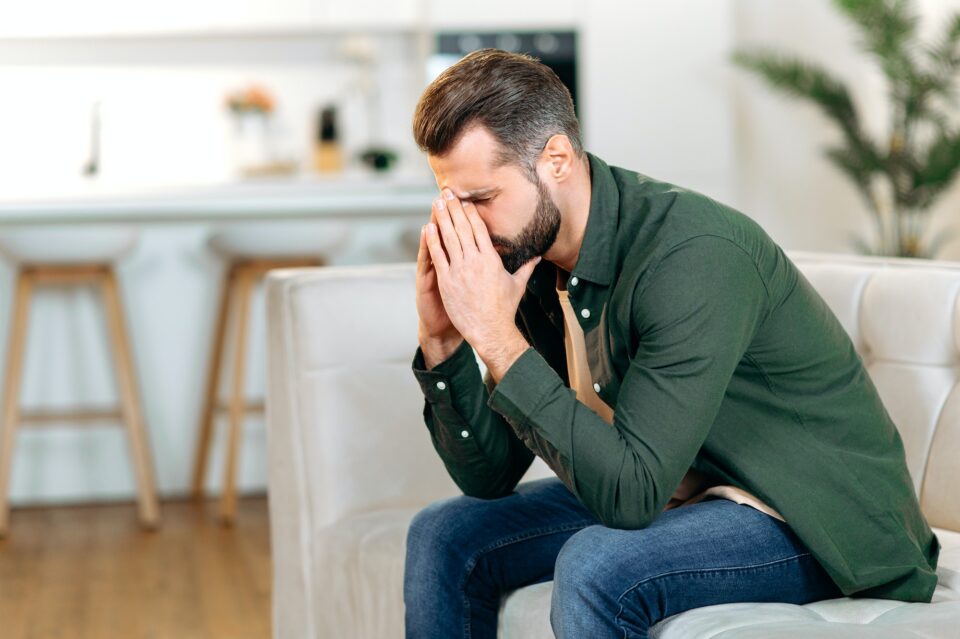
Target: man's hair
(520, 100)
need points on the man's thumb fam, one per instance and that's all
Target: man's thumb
(524, 272)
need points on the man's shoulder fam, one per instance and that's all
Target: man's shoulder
(658, 217)
(680, 210)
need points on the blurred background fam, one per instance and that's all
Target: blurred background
(210, 133)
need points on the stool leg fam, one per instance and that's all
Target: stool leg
(244, 291)
(207, 419)
(11, 391)
(129, 402)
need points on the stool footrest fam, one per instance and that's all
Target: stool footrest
(85, 417)
(249, 407)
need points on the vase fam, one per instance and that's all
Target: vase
(252, 141)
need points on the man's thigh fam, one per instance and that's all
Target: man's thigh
(499, 544)
(712, 552)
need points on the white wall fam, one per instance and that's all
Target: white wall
(656, 95)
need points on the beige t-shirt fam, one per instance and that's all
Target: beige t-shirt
(694, 486)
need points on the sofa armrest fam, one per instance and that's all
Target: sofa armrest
(345, 429)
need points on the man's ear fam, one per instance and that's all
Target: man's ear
(559, 157)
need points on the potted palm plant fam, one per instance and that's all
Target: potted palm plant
(900, 177)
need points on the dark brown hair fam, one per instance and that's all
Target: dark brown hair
(520, 100)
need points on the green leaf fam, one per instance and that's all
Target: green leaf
(945, 55)
(802, 79)
(857, 164)
(889, 29)
(944, 58)
(937, 170)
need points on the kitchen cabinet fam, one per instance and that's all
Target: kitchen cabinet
(178, 18)
(505, 15)
(174, 18)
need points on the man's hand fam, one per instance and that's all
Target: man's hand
(439, 338)
(479, 295)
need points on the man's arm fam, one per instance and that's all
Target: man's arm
(479, 449)
(694, 319)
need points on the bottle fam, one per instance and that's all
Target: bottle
(327, 155)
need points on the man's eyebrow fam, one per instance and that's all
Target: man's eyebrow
(469, 195)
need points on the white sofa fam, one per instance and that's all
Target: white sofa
(350, 460)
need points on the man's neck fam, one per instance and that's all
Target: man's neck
(562, 277)
(573, 225)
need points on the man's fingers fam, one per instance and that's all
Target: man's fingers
(459, 218)
(436, 251)
(480, 232)
(422, 253)
(450, 238)
(525, 271)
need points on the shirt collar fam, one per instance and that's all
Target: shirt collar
(595, 261)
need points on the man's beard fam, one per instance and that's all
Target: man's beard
(536, 238)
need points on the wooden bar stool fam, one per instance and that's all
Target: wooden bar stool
(73, 257)
(250, 251)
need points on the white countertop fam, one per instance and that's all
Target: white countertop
(345, 196)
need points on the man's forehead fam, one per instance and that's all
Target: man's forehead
(472, 167)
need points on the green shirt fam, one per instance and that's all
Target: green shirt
(716, 353)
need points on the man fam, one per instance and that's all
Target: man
(713, 431)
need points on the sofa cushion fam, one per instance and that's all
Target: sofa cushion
(360, 563)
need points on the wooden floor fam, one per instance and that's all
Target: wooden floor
(90, 572)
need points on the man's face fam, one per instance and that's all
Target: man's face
(521, 218)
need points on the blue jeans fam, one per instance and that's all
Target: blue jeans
(463, 554)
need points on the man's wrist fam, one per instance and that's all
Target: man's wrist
(500, 354)
(438, 349)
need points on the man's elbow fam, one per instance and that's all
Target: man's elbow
(484, 489)
(486, 492)
(627, 519)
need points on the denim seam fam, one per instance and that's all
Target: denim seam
(474, 558)
(673, 573)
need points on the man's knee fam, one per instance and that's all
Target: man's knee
(447, 550)
(578, 576)
(581, 559)
(588, 583)
(444, 527)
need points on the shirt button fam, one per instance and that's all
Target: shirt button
(441, 385)
(464, 433)
(596, 387)
(585, 313)
(574, 281)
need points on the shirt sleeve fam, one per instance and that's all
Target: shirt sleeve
(693, 319)
(479, 449)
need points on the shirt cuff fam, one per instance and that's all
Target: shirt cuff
(459, 370)
(523, 387)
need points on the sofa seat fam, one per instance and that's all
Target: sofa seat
(364, 555)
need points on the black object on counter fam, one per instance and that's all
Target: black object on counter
(328, 124)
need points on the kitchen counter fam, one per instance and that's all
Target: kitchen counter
(170, 285)
(347, 197)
